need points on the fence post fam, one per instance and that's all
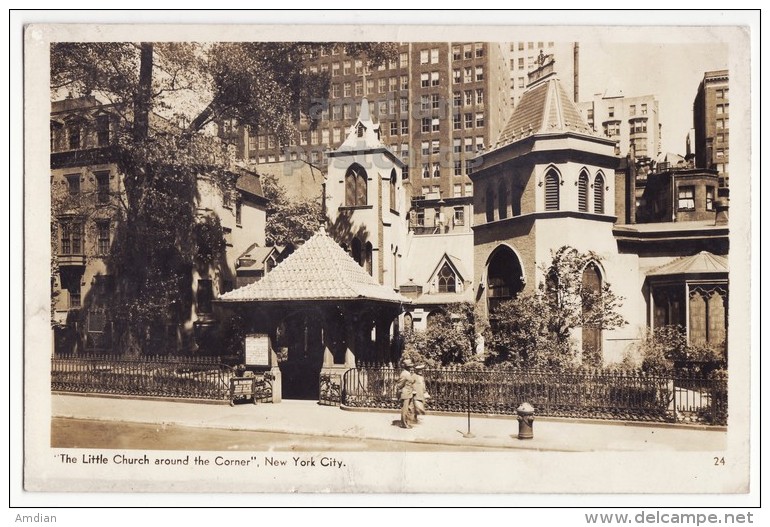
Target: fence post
(468, 434)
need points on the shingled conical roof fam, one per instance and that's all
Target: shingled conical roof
(702, 263)
(543, 109)
(318, 270)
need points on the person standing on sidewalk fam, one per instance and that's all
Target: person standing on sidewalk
(420, 395)
(405, 389)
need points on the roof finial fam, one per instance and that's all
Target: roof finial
(364, 113)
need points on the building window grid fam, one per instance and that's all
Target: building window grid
(103, 186)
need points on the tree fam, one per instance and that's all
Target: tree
(164, 95)
(449, 339)
(289, 221)
(535, 329)
(666, 347)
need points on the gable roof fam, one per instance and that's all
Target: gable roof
(318, 270)
(253, 258)
(702, 263)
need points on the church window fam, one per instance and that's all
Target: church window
(355, 186)
(552, 190)
(583, 192)
(599, 194)
(447, 281)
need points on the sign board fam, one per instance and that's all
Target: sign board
(257, 350)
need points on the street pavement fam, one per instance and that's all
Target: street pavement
(310, 418)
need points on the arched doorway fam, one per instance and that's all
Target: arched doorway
(505, 277)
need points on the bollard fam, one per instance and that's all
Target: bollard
(525, 414)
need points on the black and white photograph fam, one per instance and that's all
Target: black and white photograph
(362, 259)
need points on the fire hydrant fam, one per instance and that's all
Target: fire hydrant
(525, 414)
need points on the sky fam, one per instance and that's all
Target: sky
(671, 72)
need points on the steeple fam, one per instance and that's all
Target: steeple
(364, 134)
(545, 108)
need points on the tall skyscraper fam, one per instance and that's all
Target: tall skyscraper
(711, 120)
(437, 104)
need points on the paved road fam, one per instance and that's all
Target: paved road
(85, 433)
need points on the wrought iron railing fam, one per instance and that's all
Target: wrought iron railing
(604, 394)
(163, 376)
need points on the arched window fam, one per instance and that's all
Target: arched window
(552, 190)
(367, 263)
(583, 192)
(393, 204)
(447, 281)
(592, 330)
(355, 251)
(502, 205)
(515, 200)
(408, 323)
(490, 196)
(434, 317)
(599, 194)
(355, 186)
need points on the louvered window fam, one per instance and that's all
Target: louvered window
(583, 192)
(552, 191)
(599, 194)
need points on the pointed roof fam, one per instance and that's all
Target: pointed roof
(318, 270)
(543, 109)
(364, 134)
(702, 263)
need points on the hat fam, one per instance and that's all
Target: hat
(407, 362)
(420, 367)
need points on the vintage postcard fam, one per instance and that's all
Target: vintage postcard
(377, 258)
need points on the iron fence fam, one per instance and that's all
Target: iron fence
(160, 376)
(604, 394)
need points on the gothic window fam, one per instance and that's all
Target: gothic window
(552, 190)
(367, 263)
(355, 186)
(355, 250)
(393, 204)
(592, 331)
(515, 201)
(490, 203)
(599, 194)
(447, 281)
(502, 205)
(583, 192)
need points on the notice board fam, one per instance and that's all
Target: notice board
(257, 350)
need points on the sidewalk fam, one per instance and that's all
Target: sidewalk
(310, 418)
